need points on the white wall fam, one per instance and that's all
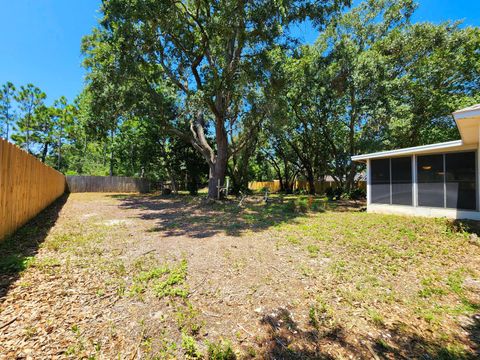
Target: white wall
(423, 211)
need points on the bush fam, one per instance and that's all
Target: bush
(303, 205)
(357, 194)
(192, 187)
(338, 193)
(330, 193)
(334, 193)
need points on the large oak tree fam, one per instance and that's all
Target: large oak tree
(204, 49)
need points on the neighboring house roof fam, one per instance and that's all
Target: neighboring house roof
(468, 123)
(358, 177)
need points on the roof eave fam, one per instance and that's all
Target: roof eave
(408, 151)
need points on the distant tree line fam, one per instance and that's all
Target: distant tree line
(61, 136)
(191, 92)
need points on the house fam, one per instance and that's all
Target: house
(438, 180)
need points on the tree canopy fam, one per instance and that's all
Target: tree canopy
(193, 91)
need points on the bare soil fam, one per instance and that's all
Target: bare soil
(142, 276)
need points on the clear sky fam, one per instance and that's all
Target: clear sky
(41, 38)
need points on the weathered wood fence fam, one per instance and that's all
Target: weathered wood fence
(27, 186)
(120, 184)
(274, 186)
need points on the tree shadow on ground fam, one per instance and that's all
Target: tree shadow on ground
(469, 226)
(17, 249)
(195, 217)
(286, 340)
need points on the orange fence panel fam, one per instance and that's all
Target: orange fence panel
(274, 186)
(27, 186)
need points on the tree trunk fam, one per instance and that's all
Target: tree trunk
(44, 152)
(59, 158)
(311, 181)
(111, 164)
(212, 183)
(216, 178)
(174, 184)
(219, 167)
(28, 135)
(111, 156)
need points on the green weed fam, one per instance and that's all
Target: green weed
(313, 250)
(190, 347)
(221, 351)
(14, 263)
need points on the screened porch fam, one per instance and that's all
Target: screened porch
(446, 180)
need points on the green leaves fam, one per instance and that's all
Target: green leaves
(7, 113)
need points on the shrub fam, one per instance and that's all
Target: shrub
(334, 193)
(357, 194)
(192, 187)
(330, 193)
(302, 205)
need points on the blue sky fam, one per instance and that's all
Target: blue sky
(41, 38)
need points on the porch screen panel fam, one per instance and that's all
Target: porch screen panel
(380, 182)
(430, 177)
(460, 180)
(402, 181)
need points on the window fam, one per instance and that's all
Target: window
(443, 180)
(460, 181)
(430, 178)
(447, 180)
(401, 181)
(380, 183)
(391, 181)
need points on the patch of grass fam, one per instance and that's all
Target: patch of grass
(383, 345)
(221, 351)
(376, 317)
(79, 239)
(163, 281)
(313, 250)
(320, 315)
(338, 268)
(45, 263)
(451, 352)
(430, 288)
(455, 281)
(294, 240)
(14, 263)
(307, 271)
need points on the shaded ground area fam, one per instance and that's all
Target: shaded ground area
(128, 277)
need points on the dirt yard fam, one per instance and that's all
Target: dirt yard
(104, 276)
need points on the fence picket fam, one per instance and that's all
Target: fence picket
(274, 186)
(27, 186)
(119, 184)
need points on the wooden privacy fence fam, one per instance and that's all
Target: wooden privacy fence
(118, 184)
(27, 186)
(274, 186)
